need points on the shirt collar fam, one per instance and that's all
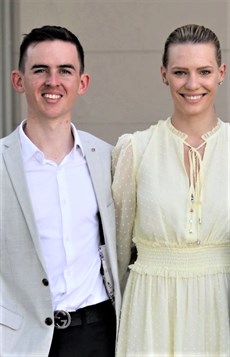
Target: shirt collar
(29, 149)
(77, 141)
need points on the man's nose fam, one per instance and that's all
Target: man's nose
(52, 79)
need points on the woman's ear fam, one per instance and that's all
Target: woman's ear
(163, 75)
(17, 82)
(222, 74)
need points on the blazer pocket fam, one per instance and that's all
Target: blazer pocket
(10, 318)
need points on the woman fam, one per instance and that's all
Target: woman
(172, 201)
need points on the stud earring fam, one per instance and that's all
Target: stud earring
(220, 83)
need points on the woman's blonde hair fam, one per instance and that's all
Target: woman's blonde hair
(191, 34)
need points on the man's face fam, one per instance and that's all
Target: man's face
(51, 80)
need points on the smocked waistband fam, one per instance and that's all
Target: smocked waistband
(182, 261)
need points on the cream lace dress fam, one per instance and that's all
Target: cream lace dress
(177, 297)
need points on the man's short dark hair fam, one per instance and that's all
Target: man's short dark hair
(49, 33)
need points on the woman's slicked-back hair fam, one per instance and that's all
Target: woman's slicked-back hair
(191, 34)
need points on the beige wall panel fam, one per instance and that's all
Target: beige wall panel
(123, 42)
(123, 25)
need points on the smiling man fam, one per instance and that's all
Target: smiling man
(59, 284)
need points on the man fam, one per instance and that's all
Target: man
(59, 283)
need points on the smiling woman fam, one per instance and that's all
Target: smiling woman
(176, 300)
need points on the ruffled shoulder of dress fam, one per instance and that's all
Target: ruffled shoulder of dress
(141, 136)
(124, 141)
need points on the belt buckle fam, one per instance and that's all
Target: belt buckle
(62, 319)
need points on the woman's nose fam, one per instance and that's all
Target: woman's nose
(192, 82)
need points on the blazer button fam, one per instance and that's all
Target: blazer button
(45, 282)
(48, 321)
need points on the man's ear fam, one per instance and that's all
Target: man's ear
(84, 84)
(17, 82)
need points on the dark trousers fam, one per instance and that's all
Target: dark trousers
(93, 336)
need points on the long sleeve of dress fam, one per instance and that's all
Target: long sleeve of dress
(124, 193)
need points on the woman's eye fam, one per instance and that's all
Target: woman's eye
(205, 72)
(180, 73)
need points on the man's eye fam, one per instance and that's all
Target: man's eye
(40, 70)
(65, 71)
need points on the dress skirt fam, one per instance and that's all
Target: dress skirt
(172, 312)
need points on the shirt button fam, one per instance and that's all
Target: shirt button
(45, 282)
(48, 321)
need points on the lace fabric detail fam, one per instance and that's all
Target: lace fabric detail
(174, 130)
(213, 130)
(184, 136)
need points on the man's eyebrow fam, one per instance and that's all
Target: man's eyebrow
(61, 66)
(39, 66)
(67, 66)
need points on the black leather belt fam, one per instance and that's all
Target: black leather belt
(88, 314)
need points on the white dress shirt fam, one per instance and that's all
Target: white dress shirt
(65, 210)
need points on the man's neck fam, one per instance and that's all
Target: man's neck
(55, 140)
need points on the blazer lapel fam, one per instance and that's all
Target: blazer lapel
(14, 164)
(94, 164)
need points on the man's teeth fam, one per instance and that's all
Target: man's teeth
(52, 96)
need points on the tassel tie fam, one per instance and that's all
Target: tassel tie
(196, 184)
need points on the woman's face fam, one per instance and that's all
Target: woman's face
(193, 75)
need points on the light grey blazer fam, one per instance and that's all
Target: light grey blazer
(25, 298)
